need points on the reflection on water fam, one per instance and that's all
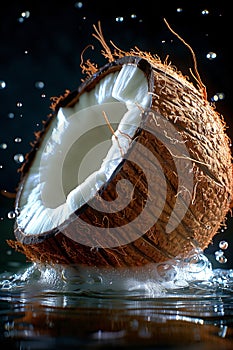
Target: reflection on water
(173, 305)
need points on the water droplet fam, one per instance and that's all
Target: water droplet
(205, 12)
(18, 139)
(196, 262)
(219, 256)
(218, 96)
(214, 98)
(39, 84)
(20, 19)
(223, 245)
(218, 253)
(3, 145)
(221, 259)
(11, 214)
(211, 55)
(25, 14)
(18, 158)
(119, 19)
(26, 52)
(221, 95)
(78, 5)
(2, 84)
(11, 115)
(1, 166)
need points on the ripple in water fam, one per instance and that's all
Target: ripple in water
(178, 304)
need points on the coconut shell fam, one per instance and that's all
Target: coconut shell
(202, 130)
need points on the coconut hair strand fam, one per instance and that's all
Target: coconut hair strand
(197, 77)
(99, 36)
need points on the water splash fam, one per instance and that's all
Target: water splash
(162, 305)
(181, 275)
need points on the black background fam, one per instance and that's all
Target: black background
(46, 46)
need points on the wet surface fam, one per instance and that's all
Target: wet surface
(42, 309)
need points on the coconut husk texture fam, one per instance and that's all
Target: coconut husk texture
(182, 101)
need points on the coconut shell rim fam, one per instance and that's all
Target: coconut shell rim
(67, 101)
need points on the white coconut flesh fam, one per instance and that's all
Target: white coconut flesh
(79, 152)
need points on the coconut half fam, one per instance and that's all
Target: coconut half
(98, 128)
(131, 168)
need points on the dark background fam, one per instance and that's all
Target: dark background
(42, 41)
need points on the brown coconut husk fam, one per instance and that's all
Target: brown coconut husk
(183, 104)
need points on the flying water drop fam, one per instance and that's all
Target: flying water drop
(19, 158)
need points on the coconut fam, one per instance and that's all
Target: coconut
(133, 167)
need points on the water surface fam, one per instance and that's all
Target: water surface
(177, 305)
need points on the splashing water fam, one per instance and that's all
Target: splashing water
(176, 304)
(153, 280)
